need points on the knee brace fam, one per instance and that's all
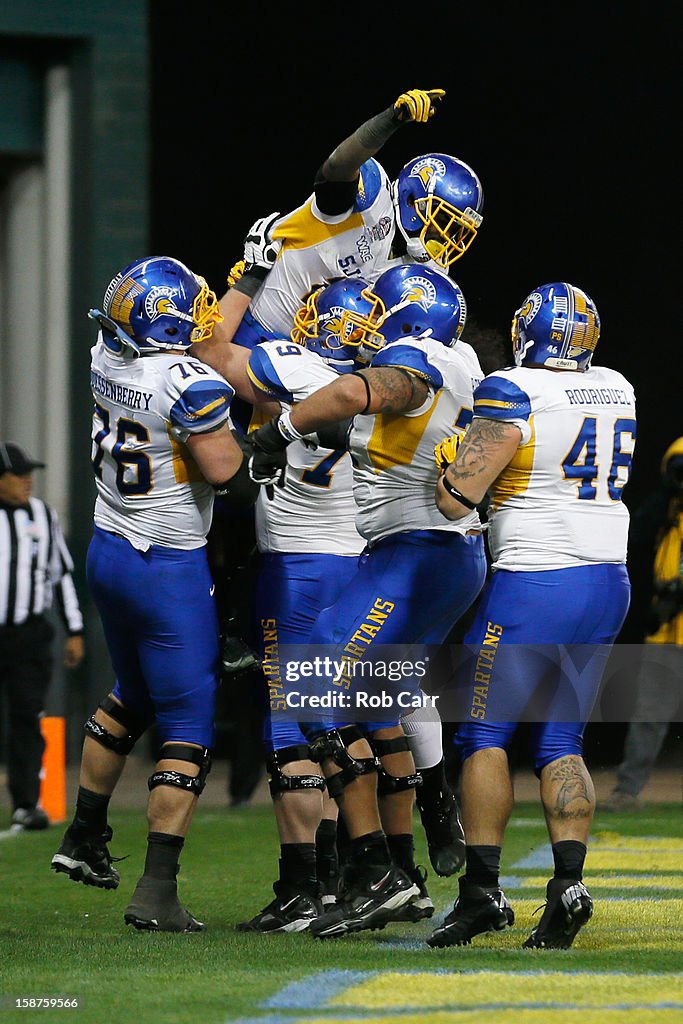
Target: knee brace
(281, 783)
(334, 745)
(387, 783)
(119, 744)
(180, 752)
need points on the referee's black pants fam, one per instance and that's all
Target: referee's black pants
(26, 662)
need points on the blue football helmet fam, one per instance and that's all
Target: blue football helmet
(331, 322)
(438, 201)
(557, 325)
(410, 300)
(157, 305)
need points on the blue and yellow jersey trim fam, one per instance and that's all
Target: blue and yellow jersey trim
(369, 185)
(264, 376)
(202, 406)
(413, 360)
(497, 398)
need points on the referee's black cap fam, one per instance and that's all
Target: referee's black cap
(15, 459)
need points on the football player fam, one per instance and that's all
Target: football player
(552, 440)
(417, 389)
(162, 446)
(309, 547)
(354, 224)
(357, 220)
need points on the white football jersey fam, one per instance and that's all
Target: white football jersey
(314, 512)
(395, 472)
(149, 488)
(558, 503)
(317, 247)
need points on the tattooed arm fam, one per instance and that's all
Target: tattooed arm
(385, 389)
(484, 452)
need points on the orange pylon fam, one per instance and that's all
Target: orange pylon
(53, 771)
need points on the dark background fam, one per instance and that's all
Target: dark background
(568, 114)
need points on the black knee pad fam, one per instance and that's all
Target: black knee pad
(334, 745)
(278, 782)
(180, 752)
(386, 782)
(119, 744)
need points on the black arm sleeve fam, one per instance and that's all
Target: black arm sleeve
(334, 197)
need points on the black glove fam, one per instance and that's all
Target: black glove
(268, 461)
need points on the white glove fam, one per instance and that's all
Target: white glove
(260, 250)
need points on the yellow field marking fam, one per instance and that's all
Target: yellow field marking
(615, 841)
(607, 882)
(609, 851)
(545, 1015)
(459, 990)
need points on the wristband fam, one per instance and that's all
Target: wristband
(455, 493)
(289, 432)
(250, 281)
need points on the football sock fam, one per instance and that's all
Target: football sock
(90, 817)
(298, 867)
(327, 858)
(402, 849)
(434, 783)
(482, 865)
(370, 850)
(163, 851)
(569, 856)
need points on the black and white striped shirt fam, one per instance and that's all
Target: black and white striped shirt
(35, 566)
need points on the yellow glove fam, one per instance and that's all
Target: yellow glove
(445, 451)
(418, 104)
(236, 271)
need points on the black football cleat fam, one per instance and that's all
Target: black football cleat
(419, 907)
(155, 907)
(569, 906)
(291, 911)
(476, 910)
(87, 859)
(368, 899)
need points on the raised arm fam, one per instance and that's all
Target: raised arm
(344, 163)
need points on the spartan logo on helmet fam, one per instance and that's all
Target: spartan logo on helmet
(420, 290)
(427, 170)
(160, 301)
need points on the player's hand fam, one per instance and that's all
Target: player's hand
(74, 651)
(268, 461)
(418, 104)
(445, 451)
(260, 250)
(235, 273)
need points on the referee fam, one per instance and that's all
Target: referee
(34, 564)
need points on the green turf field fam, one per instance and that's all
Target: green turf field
(60, 939)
